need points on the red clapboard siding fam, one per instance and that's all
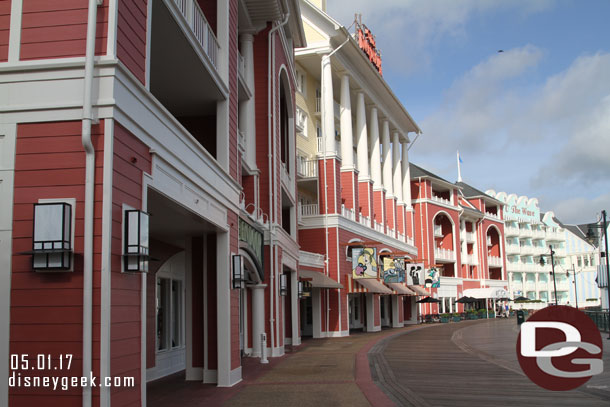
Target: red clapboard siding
(131, 160)
(5, 24)
(46, 308)
(131, 36)
(58, 29)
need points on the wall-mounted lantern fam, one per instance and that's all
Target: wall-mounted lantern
(283, 284)
(135, 256)
(52, 244)
(238, 271)
(304, 289)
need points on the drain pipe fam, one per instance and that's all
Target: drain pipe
(89, 196)
(272, 161)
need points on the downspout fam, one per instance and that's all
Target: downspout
(272, 164)
(89, 198)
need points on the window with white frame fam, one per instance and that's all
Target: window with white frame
(301, 83)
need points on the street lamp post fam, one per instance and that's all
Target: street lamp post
(592, 238)
(552, 269)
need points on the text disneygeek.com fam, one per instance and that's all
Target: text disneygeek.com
(22, 364)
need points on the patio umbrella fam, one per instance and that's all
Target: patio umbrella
(428, 300)
(466, 300)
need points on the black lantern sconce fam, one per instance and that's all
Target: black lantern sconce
(135, 256)
(52, 243)
(283, 284)
(238, 272)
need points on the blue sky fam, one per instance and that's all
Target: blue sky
(533, 120)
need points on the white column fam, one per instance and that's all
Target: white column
(396, 168)
(294, 308)
(362, 148)
(347, 141)
(258, 317)
(248, 125)
(395, 311)
(328, 108)
(223, 304)
(387, 160)
(406, 174)
(375, 151)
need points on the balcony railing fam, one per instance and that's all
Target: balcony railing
(513, 249)
(307, 168)
(538, 234)
(554, 234)
(390, 232)
(494, 261)
(530, 286)
(470, 237)
(511, 231)
(364, 220)
(471, 259)
(444, 254)
(441, 200)
(527, 250)
(492, 215)
(401, 237)
(378, 227)
(525, 232)
(309, 210)
(201, 28)
(348, 213)
(542, 286)
(438, 231)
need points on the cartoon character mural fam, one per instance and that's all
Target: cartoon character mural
(394, 270)
(433, 278)
(364, 263)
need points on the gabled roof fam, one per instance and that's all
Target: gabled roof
(471, 192)
(578, 230)
(417, 172)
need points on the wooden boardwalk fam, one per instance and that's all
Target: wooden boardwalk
(444, 366)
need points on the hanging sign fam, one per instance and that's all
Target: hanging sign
(394, 270)
(364, 263)
(415, 273)
(433, 279)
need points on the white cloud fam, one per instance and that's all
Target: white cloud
(407, 30)
(581, 210)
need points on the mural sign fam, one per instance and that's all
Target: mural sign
(394, 270)
(364, 263)
(433, 278)
(415, 273)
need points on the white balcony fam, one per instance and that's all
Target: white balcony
(348, 213)
(310, 210)
(511, 231)
(307, 168)
(492, 215)
(378, 227)
(563, 286)
(471, 259)
(364, 220)
(444, 254)
(201, 28)
(390, 232)
(513, 266)
(513, 249)
(527, 250)
(494, 261)
(524, 232)
(538, 234)
(401, 237)
(441, 200)
(538, 250)
(470, 237)
(542, 286)
(530, 286)
(554, 235)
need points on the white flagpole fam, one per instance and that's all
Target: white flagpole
(459, 168)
